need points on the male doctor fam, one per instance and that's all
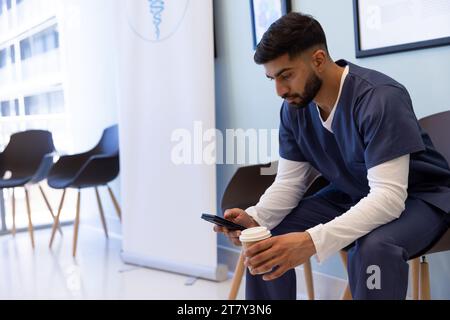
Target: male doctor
(389, 191)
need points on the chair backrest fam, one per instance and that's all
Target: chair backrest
(438, 128)
(109, 142)
(248, 185)
(25, 151)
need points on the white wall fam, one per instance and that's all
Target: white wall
(89, 47)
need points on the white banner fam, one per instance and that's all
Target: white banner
(166, 72)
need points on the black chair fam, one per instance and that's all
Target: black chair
(438, 128)
(27, 159)
(94, 168)
(244, 190)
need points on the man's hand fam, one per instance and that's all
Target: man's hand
(238, 216)
(286, 251)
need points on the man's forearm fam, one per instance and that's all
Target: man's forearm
(292, 181)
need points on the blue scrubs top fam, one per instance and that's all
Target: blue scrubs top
(374, 122)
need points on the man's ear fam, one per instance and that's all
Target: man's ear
(319, 57)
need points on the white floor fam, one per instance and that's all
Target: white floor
(96, 273)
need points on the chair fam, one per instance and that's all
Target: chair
(26, 160)
(244, 190)
(438, 128)
(94, 168)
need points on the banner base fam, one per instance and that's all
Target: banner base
(219, 273)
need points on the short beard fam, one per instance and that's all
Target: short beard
(312, 87)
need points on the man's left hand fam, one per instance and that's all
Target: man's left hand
(286, 252)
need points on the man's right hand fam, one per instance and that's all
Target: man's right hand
(238, 216)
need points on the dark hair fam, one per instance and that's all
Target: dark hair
(293, 34)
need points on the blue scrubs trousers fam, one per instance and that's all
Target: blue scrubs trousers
(389, 247)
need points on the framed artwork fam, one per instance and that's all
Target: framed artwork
(264, 13)
(387, 26)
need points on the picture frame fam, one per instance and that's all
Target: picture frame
(264, 13)
(387, 26)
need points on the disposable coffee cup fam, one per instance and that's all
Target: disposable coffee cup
(251, 236)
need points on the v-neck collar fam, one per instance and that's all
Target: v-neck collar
(328, 123)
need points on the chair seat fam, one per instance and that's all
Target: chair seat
(60, 182)
(442, 245)
(14, 182)
(71, 182)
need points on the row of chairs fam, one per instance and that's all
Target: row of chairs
(28, 159)
(247, 185)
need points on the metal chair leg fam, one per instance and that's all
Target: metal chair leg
(56, 223)
(116, 204)
(102, 215)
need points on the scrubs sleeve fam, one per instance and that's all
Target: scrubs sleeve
(388, 125)
(288, 146)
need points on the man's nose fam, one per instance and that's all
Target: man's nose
(281, 89)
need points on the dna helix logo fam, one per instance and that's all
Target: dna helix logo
(155, 20)
(156, 9)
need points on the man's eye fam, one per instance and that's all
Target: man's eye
(286, 76)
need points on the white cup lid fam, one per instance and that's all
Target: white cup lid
(254, 234)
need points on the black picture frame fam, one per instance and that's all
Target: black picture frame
(362, 53)
(285, 6)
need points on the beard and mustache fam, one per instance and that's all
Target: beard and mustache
(312, 87)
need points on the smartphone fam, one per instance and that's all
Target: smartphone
(222, 222)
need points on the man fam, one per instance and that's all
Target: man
(389, 190)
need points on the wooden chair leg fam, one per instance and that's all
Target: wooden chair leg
(102, 215)
(76, 225)
(307, 270)
(415, 266)
(237, 277)
(13, 213)
(30, 224)
(49, 207)
(424, 280)
(56, 222)
(347, 294)
(116, 204)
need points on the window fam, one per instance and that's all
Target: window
(7, 56)
(3, 59)
(9, 108)
(12, 54)
(40, 43)
(45, 103)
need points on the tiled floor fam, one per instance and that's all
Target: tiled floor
(96, 273)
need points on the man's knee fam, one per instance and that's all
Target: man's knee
(377, 247)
